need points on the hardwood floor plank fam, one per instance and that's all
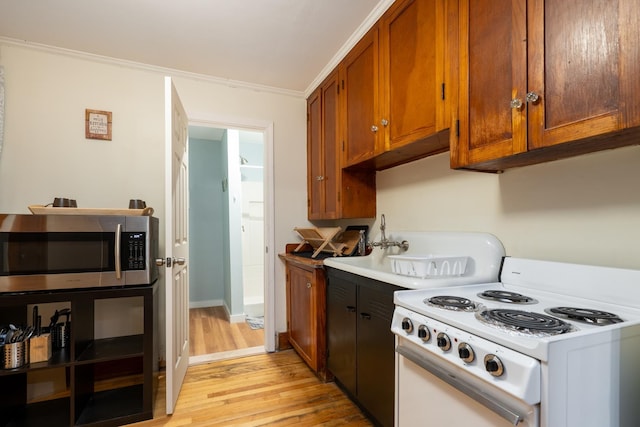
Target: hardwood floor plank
(271, 389)
(210, 332)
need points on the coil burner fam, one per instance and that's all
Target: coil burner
(525, 322)
(585, 315)
(449, 302)
(506, 296)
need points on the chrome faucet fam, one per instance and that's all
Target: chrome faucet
(384, 243)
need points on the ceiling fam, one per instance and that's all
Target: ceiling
(283, 44)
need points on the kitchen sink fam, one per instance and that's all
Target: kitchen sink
(484, 254)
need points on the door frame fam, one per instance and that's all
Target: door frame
(266, 128)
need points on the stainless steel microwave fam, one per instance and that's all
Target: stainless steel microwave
(48, 252)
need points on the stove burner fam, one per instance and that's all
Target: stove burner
(586, 315)
(506, 296)
(525, 322)
(451, 303)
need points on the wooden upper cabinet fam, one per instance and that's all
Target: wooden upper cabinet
(493, 73)
(412, 84)
(542, 80)
(397, 101)
(333, 193)
(323, 177)
(331, 137)
(575, 70)
(360, 101)
(315, 155)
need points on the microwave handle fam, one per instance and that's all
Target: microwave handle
(117, 252)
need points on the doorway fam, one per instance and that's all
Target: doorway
(229, 204)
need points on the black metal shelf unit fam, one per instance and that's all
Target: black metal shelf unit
(126, 397)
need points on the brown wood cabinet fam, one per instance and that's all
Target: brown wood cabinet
(397, 103)
(306, 310)
(361, 98)
(323, 162)
(332, 192)
(542, 80)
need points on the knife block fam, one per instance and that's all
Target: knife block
(40, 348)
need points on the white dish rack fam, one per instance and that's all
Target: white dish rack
(424, 266)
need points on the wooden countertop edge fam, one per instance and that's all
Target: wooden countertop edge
(289, 256)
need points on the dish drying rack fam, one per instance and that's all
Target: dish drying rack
(321, 239)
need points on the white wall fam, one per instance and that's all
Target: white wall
(584, 209)
(46, 154)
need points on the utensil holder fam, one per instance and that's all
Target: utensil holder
(14, 355)
(60, 334)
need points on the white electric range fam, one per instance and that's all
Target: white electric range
(551, 344)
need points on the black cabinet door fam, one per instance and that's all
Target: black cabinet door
(375, 356)
(341, 331)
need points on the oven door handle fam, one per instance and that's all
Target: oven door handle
(497, 407)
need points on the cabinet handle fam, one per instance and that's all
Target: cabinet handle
(374, 128)
(319, 178)
(532, 97)
(516, 103)
(308, 285)
(365, 316)
(384, 122)
(351, 309)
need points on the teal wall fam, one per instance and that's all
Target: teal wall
(206, 225)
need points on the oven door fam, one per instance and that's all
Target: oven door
(430, 391)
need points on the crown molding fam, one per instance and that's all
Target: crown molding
(366, 25)
(148, 67)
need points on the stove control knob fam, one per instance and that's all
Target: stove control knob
(407, 325)
(466, 352)
(423, 333)
(493, 365)
(443, 342)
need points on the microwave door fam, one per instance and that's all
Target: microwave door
(58, 260)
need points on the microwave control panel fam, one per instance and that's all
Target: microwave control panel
(133, 244)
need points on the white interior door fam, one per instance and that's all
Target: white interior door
(176, 244)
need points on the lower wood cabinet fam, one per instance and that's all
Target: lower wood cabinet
(306, 307)
(361, 354)
(102, 381)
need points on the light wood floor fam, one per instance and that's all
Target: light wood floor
(271, 389)
(210, 332)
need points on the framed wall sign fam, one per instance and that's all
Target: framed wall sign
(97, 124)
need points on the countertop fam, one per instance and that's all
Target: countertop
(304, 259)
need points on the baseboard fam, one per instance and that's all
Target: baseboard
(206, 303)
(254, 309)
(283, 341)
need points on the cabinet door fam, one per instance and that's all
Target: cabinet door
(302, 314)
(315, 170)
(376, 353)
(575, 65)
(341, 331)
(323, 157)
(360, 76)
(492, 58)
(412, 66)
(330, 138)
